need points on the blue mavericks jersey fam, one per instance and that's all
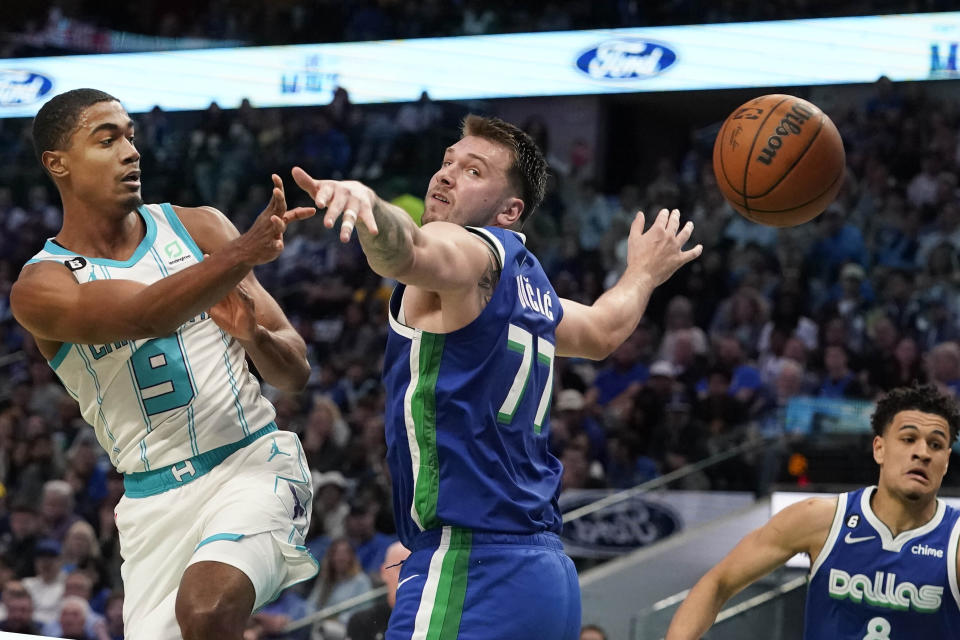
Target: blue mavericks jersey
(868, 585)
(467, 415)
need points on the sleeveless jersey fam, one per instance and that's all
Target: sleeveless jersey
(467, 415)
(868, 585)
(156, 402)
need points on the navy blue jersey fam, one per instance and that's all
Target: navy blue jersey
(467, 414)
(869, 585)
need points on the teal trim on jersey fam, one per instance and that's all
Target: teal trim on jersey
(191, 427)
(192, 431)
(136, 388)
(232, 537)
(233, 384)
(151, 483)
(96, 384)
(159, 261)
(143, 455)
(174, 221)
(142, 248)
(60, 355)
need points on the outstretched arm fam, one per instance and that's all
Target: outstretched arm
(249, 313)
(48, 302)
(800, 528)
(448, 258)
(595, 331)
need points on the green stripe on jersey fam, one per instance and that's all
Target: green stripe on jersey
(423, 406)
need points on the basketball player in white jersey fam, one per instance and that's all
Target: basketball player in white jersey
(883, 559)
(150, 337)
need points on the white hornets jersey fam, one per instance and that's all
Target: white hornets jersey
(155, 402)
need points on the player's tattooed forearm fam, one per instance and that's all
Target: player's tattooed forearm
(391, 246)
(488, 281)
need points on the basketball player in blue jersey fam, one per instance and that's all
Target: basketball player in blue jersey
(475, 326)
(150, 337)
(883, 559)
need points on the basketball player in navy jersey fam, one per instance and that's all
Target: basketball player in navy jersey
(474, 328)
(883, 559)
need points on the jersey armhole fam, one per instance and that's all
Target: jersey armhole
(834, 534)
(493, 244)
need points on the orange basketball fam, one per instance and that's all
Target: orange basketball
(779, 160)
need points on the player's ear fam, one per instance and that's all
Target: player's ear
(510, 213)
(55, 162)
(878, 449)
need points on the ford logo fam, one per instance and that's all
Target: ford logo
(22, 87)
(619, 528)
(626, 60)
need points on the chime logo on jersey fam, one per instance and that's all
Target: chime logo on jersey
(884, 591)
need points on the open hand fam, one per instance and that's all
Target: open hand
(263, 241)
(349, 198)
(658, 252)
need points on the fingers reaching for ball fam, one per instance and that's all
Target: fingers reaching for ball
(659, 251)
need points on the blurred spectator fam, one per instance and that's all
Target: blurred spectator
(19, 544)
(19, 610)
(341, 578)
(592, 632)
(371, 624)
(114, 615)
(944, 367)
(72, 622)
(319, 435)
(330, 504)
(840, 242)
(839, 381)
(576, 423)
(679, 322)
(369, 544)
(56, 509)
(47, 584)
(623, 376)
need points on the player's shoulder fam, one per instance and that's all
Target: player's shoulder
(43, 269)
(810, 513)
(208, 226)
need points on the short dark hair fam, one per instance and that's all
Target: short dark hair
(528, 173)
(59, 117)
(926, 398)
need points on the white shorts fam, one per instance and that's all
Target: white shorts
(250, 511)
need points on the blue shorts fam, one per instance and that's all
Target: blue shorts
(459, 584)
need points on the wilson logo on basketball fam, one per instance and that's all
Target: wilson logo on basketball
(790, 124)
(22, 87)
(626, 60)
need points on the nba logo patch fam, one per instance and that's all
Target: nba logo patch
(75, 264)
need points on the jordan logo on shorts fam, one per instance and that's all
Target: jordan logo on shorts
(275, 451)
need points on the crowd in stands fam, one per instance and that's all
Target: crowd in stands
(864, 298)
(268, 23)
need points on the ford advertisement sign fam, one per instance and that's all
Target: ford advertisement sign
(626, 59)
(23, 87)
(619, 528)
(639, 520)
